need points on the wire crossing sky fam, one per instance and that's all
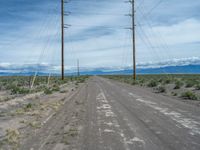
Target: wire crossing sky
(167, 33)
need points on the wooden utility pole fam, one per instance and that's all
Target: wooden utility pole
(78, 69)
(62, 41)
(134, 45)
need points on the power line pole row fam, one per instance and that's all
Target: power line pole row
(78, 68)
(132, 15)
(63, 26)
(62, 41)
(134, 44)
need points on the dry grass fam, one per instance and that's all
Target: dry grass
(12, 138)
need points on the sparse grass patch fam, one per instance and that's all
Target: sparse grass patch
(197, 87)
(79, 102)
(23, 121)
(178, 84)
(48, 91)
(141, 82)
(73, 132)
(21, 85)
(19, 90)
(6, 99)
(152, 83)
(172, 85)
(190, 83)
(13, 137)
(35, 124)
(63, 91)
(174, 93)
(28, 106)
(19, 111)
(55, 88)
(161, 89)
(134, 82)
(23, 110)
(167, 81)
(56, 105)
(65, 139)
(76, 83)
(189, 95)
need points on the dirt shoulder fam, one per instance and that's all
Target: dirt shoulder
(25, 122)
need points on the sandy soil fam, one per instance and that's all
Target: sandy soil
(23, 116)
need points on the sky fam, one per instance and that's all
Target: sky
(98, 34)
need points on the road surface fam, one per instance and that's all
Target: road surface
(109, 115)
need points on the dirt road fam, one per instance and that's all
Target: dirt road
(108, 115)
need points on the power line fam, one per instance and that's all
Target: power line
(141, 3)
(102, 27)
(153, 8)
(163, 43)
(96, 13)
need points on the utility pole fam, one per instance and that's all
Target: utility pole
(62, 41)
(134, 45)
(78, 68)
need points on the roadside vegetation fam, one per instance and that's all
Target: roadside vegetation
(182, 86)
(24, 109)
(12, 87)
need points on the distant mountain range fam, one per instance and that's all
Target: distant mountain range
(187, 69)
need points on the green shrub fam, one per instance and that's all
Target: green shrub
(152, 83)
(40, 88)
(174, 94)
(134, 82)
(81, 80)
(19, 90)
(167, 81)
(178, 84)
(141, 81)
(24, 91)
(197, 87)
(10, 86)
(190, 83)
(189, 95)
(55, 88)
(48, 91)
(28, 106)
(161, 89)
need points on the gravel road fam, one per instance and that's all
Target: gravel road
(108, 115)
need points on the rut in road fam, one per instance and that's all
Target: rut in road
(104, 129)
(62, 130)
(120, 116)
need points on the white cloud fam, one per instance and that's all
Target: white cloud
(97, 47)
(171, 62)
(48, 68)
(186, 31)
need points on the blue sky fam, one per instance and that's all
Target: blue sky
(167, 32)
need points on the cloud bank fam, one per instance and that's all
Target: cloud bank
(30, 34)
(47, 68)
